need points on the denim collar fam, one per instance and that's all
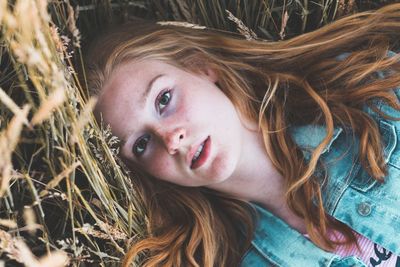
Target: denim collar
(276, 240)
(308, 137)
(283, 246)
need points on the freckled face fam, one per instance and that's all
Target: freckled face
(177, 126)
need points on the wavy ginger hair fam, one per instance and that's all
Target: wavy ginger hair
(277, 84)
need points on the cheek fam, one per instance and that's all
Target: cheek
(159, 166)
(183, 112)
(223, 165)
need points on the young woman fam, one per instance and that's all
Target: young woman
(254, 153)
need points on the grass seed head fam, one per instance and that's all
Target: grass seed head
(8, 141)
(54, 100)
(11, 224)
(243, 29)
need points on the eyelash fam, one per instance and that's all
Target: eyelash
(159, 97)
(135, 146)
(146, 137)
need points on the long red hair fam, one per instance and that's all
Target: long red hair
(279, 85)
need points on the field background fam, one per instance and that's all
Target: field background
(65, 198)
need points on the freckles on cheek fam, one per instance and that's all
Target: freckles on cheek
(182, 109)
(159, 168)
(186, 114)
(222, 167)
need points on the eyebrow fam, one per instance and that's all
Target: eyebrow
(145, 94)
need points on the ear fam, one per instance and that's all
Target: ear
(210, 74)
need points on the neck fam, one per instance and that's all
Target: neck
(257, 180)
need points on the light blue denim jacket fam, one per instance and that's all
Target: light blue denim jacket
(350, 195)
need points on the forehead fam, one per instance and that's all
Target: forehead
(120, 98)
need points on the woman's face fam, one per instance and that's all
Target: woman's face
(177, 126)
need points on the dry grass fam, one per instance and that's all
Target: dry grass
(47, 162)
(65, 199)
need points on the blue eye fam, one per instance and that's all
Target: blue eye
(140, 145)
(163, 100)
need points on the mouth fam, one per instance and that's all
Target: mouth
(201, 154)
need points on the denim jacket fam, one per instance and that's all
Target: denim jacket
(350, 195)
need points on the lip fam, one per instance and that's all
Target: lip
(203, 156)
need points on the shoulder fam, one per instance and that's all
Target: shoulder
(389, 123)
(308, 137)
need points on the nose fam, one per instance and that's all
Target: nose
(172, 138)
